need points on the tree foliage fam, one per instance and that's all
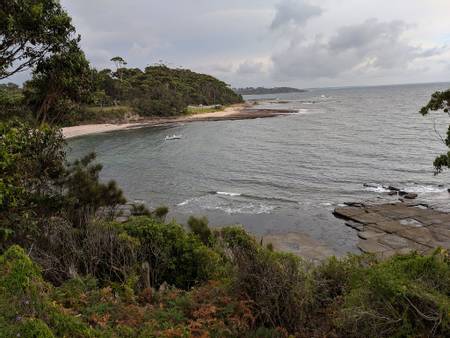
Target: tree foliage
(60, 82)
(29, 31)
(36, 183)
(162, 91)
(440, 101)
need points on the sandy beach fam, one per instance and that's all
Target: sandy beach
(235, 112)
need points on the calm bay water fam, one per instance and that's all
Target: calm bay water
(285, 173)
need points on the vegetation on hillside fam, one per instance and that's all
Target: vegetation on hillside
(65, 89)
(69, 269)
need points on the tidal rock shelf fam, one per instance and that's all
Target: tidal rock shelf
(391, 228)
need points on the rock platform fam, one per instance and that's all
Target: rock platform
(390, 228)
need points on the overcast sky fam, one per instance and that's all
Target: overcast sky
(274, 42)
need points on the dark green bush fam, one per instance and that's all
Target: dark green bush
(161, 212)
(199, 227)
(175, 256)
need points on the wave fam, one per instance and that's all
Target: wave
(247, 209)
(224, 193)
(416, 188)
(253, 197)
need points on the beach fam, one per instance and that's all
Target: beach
(235, 112)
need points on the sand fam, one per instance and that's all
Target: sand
(235, 112)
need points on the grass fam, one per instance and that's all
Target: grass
(192, 110)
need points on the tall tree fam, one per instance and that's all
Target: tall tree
(29, 31)
(440, 101)
(120, 63)
(59, 81)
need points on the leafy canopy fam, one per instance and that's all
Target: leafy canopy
(29, 30)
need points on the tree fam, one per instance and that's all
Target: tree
(120, 63)
(59, 82)
(440, 101)
(37, 185)
(29, 31)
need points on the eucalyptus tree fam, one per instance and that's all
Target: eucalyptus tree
(440, 101)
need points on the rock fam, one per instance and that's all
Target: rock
(402, 193)
(370, 185)
(355, 225)
(393, 188)
(367, 234)
(371, 246)
(354, 204)
(410, 196)
(392, 193)
(448, 190)
(121, 219)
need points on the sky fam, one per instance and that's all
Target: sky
(300, 43)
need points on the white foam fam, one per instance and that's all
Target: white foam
(227, 193)
(247, 209)
(378, 188)
(424, 189)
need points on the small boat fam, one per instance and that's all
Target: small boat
(172, 137)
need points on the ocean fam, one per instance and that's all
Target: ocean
(288, 173)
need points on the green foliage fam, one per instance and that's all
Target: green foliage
(403, 297)
(60, 83)
(26, 309)
(440, 101)
(37, 185)
(162, 91)
(199, 227)
(30, 29)
(30, 160)
(12, 102)
(85, 194)
(174, 256)
(279, 286)
(161, 212)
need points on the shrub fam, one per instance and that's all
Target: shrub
(26, 309)
(199, 227)
(279, 286)
(161, 212)
(100, 249)
(174, 256)
(403, 296)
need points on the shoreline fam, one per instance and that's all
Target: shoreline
(241, 111)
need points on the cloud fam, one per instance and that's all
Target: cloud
(250, 67)
(360, 48)
(297, 13)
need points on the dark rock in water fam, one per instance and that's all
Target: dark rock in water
(448, 190)
(392, 193)
(370, 185)
(402, 193)
(410, 196)
(393, 188)
(354, 204)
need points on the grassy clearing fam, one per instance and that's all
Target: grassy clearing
(192, 110)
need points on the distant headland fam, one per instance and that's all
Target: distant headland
(262, 90)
